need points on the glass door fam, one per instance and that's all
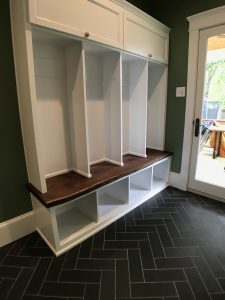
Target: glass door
(207, 169)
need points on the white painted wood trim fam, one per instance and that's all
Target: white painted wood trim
(197, 22)
(207, 19)
(88, 175)
(16, 228)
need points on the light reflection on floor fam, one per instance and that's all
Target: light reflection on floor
(210, 170)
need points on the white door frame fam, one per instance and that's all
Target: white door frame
(204, 20)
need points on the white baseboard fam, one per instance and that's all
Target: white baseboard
(178, 180)
(16, 228)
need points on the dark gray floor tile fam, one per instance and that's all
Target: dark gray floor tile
(107, 285)
(186, 242)
(121, 225)
(218, 296)
(17, 261)
(135, 267)
(147, 222)
(138, 213)
(38, 276)
(5, 287)
(164, 236)
(146, 255)
(164, 210)
(131, 236)
(129, 218)
(197, 285)
(222, 283)
(121, 244)
(179, 222)
(182, 252)
(92, 292)
(5, 250)
(36, 252)
(122, 279)
(20, 284)
(206, 275)
(9, 272)
(110, 254)
(164, 275)
(64, 289)
(213, 262)
(184, 291)
(55, 268)
(99, 239)
(110, 232)
(33, 297)
(85, 248)
(141, 228)
(172, 229)
(162, 289)
(71, 258)
(95, 264)
(80, 276)
(156, 244)
(171, 262)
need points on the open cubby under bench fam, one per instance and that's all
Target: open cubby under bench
(75, 207)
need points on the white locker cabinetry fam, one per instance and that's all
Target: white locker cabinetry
(143, 37)
(89, 110)
(98, 20)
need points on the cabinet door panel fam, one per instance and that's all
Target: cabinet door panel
(145, 39)
(79, 18)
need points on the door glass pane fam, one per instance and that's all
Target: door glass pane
(211, 156)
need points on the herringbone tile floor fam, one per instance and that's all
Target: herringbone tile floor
(171, 247)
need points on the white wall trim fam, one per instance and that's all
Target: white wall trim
(177, 180)
(197, 22)
(207, 19)
(16, 228)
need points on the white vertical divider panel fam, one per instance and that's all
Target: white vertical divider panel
(24, 67)
(77, 108)
(125, 106)
(157, 93)
(113, 107)
(138, 87)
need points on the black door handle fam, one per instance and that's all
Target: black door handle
(197, 126)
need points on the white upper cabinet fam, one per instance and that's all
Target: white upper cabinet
(98, 20)
(143, 37)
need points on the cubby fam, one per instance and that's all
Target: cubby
(103, 102)
(140, 184)
(134, 104)
(156, 106)
(75, 218)
(113, 197)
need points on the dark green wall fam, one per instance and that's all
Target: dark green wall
(14, 198)
(174, 14)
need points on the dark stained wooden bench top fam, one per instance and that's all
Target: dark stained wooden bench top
(71, 185)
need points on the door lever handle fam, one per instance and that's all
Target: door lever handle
(197, 126)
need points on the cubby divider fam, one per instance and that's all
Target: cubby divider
(160, 175)
(140, 184)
